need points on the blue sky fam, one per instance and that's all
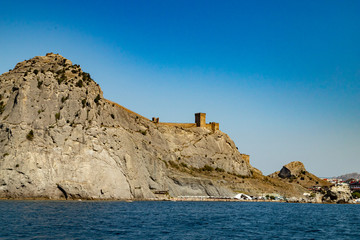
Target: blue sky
(281, 77)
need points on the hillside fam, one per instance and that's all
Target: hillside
(60, 138)
(349, 176)
(296, 172)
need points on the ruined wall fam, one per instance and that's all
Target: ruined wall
(184, 125)
(128, 110)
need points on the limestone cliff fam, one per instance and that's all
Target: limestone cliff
(59, 138)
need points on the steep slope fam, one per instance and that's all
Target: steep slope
(59, 138)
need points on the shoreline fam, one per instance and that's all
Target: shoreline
(175, 199)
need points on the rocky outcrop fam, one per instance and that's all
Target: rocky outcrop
(59, 138)
(295, 172)
(338, 194)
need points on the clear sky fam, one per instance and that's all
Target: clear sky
(281, 77)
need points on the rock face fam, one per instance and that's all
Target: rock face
(338, 194)
(292, 169)
(59, 138)
(296, 172)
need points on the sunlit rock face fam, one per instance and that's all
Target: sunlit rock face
(59, 138)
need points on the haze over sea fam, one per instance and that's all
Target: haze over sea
(176, 220)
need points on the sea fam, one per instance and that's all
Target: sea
(176, 220)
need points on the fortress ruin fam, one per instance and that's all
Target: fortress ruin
(200, 121)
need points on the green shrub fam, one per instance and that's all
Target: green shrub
(143, 132)
(79, 83)
(40, 111)
(174, 164)
(2, 107)
(356, 194)
(63, 99)
(219, 169)
(57, 116)
(60, 72)
(30, 135)
(97, 99)
(86, 76)
(36, 71)
(39, 84)
(62, 78)
(207, 168)
(112, 116)
(83, 102)
(184, 165)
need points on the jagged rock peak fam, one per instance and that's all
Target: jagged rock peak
(292, 169)
(42, 90)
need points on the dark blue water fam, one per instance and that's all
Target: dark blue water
(176, 220)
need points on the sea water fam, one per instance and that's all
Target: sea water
(176, 220)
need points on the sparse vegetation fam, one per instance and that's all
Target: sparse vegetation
(62, 78)
(83, 102)
(30, 135)
(184, 165)
(63, 99)
(79, 84)
(97, 99)
(143, 132)
(219, 169)
(356, 194)
(174, 164)
(36, 71)
(112, 116)
(207, 168)
(57, 116)
(86, 76)
(2, 107)
(5, 154)
(39, 84)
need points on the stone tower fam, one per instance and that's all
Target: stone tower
(200, 119)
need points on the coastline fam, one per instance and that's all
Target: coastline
(174, 199)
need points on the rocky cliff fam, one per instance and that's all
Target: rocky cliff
(59, 138)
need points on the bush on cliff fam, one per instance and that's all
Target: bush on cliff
(30, 135)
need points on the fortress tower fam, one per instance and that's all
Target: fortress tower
(200, 119)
